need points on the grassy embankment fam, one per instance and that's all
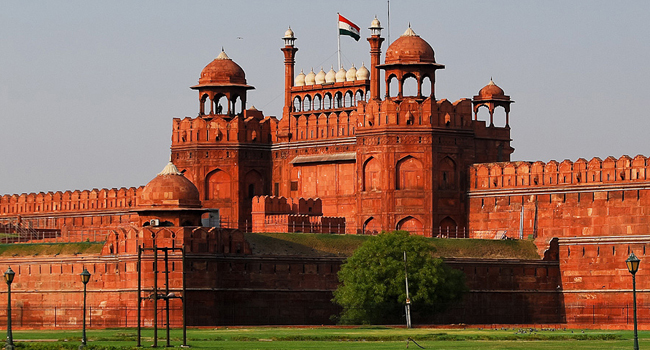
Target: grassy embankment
(326, 245)
(49, 249)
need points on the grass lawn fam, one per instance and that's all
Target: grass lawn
(268, 338)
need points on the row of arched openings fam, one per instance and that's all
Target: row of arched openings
(372, 226)
(218, 184)
(410, 86)
(409, 174)
(329, 101)
(221, 105)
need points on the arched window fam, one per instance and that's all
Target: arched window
(317, 103)
(410, 86)
(220, 104)
(448, 227)
(297, 104)
(217, 185)
(254, 184)
(412, 225)
(327, 101)
(306, 103)
(409, 174)
(371, 226)
(358, 97)
(371, 175)
(447, 174)
(392, 88)
(426, 87)
(205, 104)
(338, 100)
(349, 99)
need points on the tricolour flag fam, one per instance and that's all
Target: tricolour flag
(348, 28)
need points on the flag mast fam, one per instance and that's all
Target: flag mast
(338, 41)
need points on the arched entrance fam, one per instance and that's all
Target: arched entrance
(371, 226)
(412, 225)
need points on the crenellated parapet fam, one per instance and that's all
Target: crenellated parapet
(507, 175)
(281, 214)
(270, 205)
(249, 127)
(69, 201)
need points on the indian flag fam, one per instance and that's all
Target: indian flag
(348, 28)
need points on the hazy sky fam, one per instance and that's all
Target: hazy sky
(88, 89)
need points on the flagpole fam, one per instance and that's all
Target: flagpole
(338, 40)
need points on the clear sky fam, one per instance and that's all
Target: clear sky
(88, 89)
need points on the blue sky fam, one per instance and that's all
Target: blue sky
(88, 89)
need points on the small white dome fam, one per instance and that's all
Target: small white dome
(375, 24)
(330, 77)
(363, 73)
(288, 34)
(300, 79)
(351, 75)
(320, 77)
(310, 78)
(340, 75)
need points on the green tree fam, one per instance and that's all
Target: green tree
(372, 288)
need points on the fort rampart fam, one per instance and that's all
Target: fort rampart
(569, 199)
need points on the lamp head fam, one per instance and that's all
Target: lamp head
(632, 263)
(85, 276)
(9, 275)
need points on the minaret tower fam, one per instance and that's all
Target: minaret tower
(375, 41)
(289, 63)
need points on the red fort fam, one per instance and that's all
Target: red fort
(342, 159)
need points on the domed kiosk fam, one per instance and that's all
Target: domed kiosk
(170, 199)
(222, 78)
(410, 56)
(492, 96)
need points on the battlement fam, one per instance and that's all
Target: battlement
(281, 214)
(270, 205)
(507, 175)
(250, 126)
(69, 201)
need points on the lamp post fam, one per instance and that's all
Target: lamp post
(633, 266)
(85, 277)
(9, 278)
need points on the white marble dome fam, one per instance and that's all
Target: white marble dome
(340, 75)
(363, 73)
(351, 74)
(320, 77)
(300, 79)
(330, 77)
(310, 78)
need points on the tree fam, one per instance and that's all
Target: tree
(372, 288)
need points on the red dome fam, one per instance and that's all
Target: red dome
(491, 90)
(410, 48)
(222, 71)
(171, 189)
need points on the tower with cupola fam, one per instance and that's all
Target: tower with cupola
(225, 150)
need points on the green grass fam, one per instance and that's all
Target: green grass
(339, 338)
(49, 249)
(329, 245)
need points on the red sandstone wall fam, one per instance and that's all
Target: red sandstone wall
(596, 284)
(560, 200)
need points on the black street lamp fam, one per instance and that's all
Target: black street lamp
(9, 278)
(85, 277)
(633, 266)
